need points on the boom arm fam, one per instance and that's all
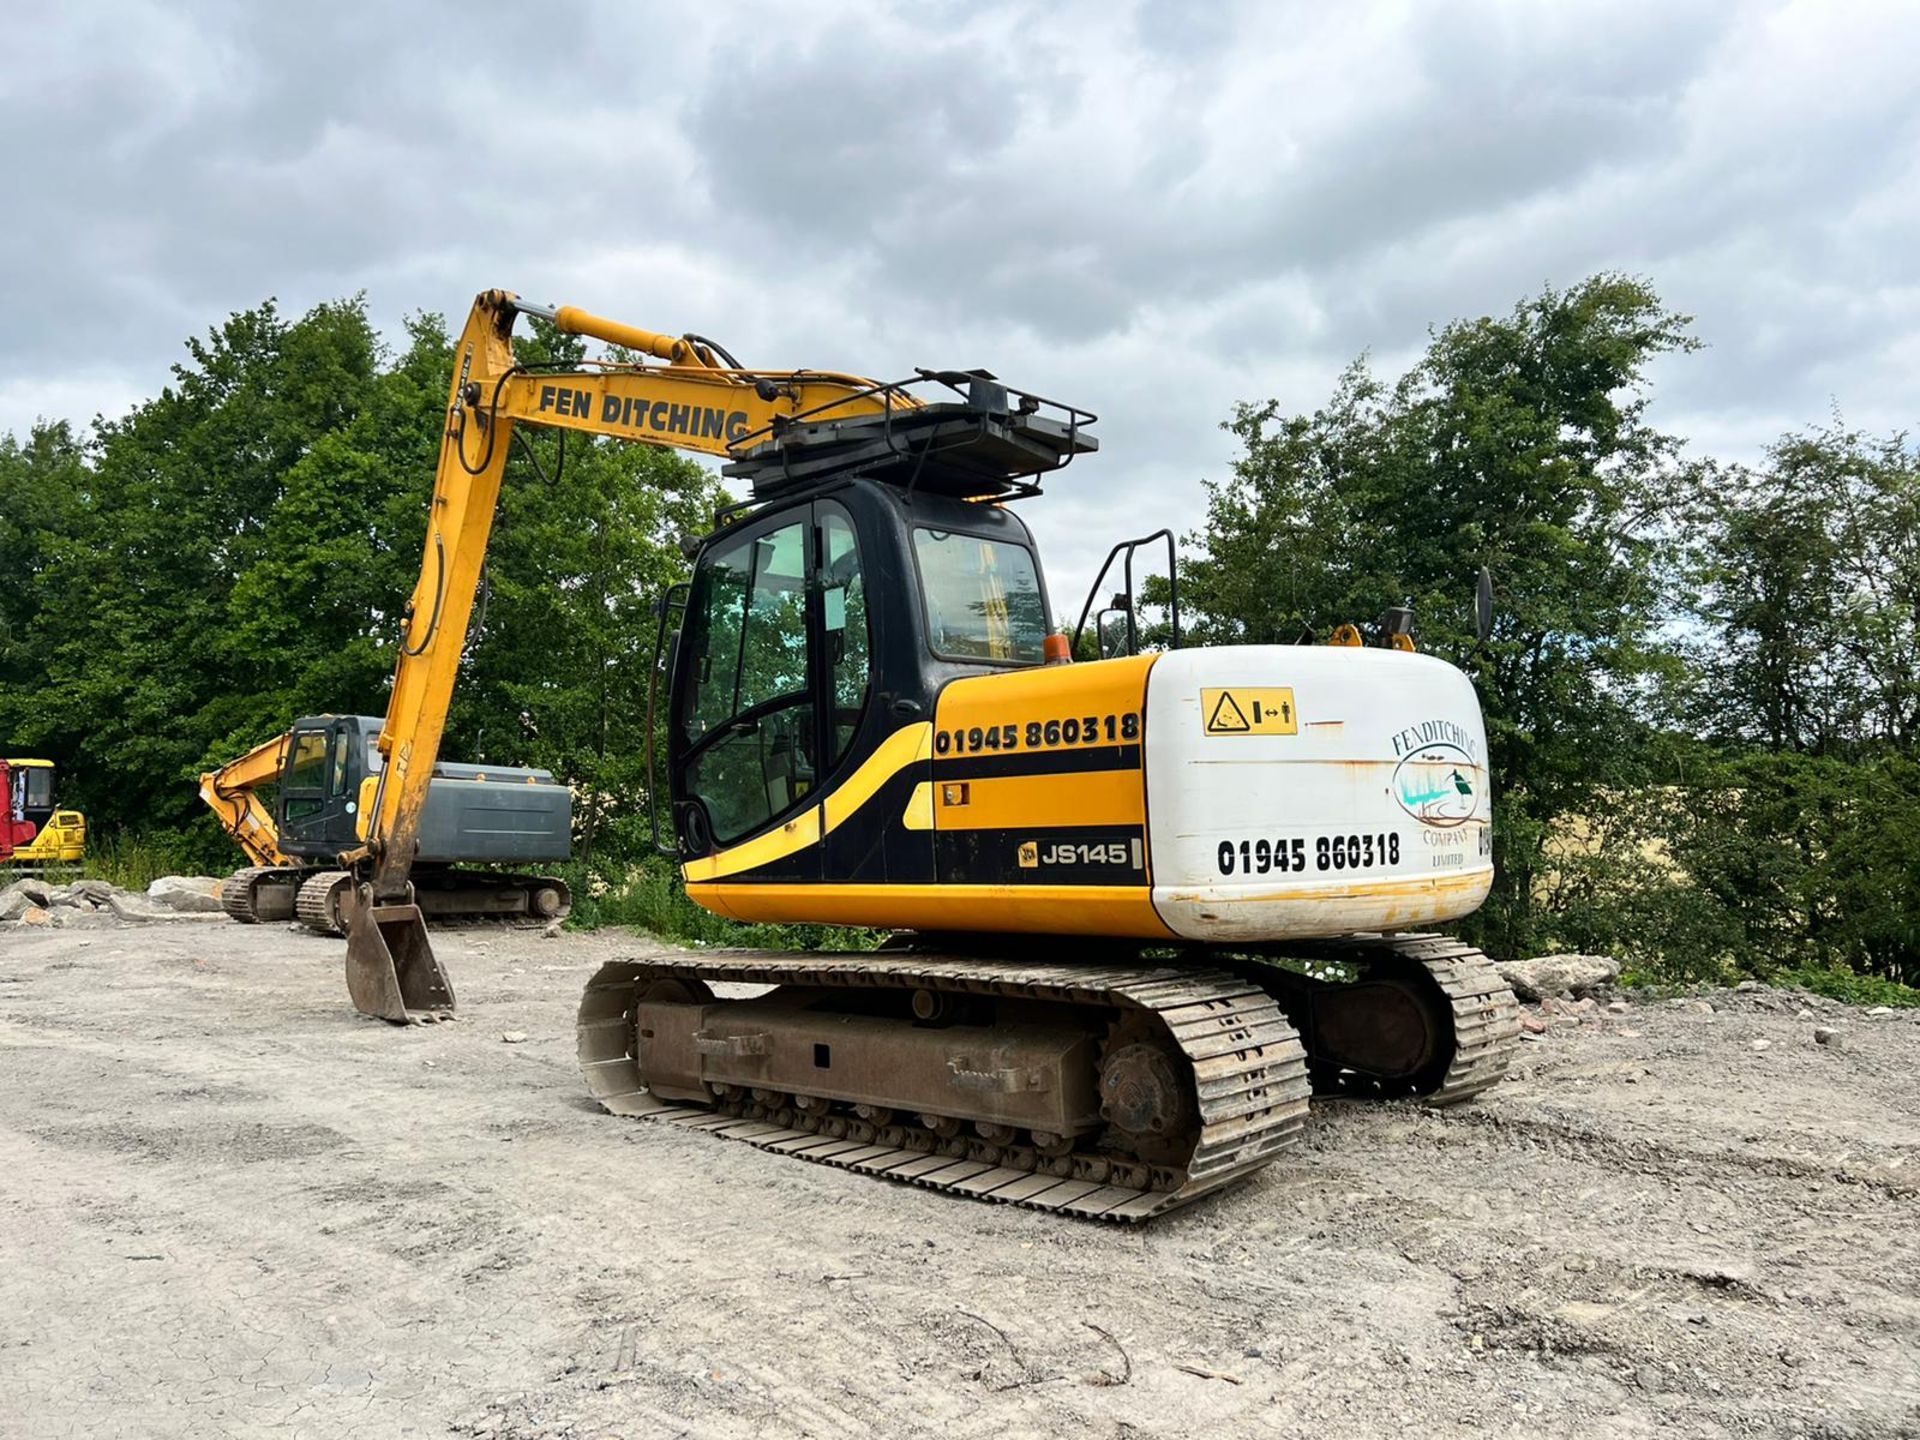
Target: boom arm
(231, 792)
(691, 402)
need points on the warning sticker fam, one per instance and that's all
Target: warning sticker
(1249, 710)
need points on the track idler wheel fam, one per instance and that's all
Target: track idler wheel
(1383, 1035)
(1423, 1015)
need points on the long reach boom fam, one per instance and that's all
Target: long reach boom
(699, 399)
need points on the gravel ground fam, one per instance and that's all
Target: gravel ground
(230, 1206)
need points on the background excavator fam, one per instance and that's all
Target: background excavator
(298, 805)
(1143, 906)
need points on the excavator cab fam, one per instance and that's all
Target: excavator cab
(41, 832)
(873, 566)
(320, 782)
(814, 631)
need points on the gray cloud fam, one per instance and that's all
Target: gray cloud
(1155, 210)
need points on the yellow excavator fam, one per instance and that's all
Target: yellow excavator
(298, 803)
(1141, 907)
(39, 834)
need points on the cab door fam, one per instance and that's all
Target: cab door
(771, 681)
(316, 789)
(33, 797)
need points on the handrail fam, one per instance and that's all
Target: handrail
(667, 603)
(1173, 589)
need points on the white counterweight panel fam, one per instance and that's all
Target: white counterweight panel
(1297, 791)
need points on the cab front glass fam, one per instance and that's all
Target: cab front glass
(982, 598)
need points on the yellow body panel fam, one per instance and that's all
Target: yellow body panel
(1016, 756)
(61, 841)
(1032, 909)
(1049, 696)
(1112, 797)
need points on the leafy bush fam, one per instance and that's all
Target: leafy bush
(1845, 985)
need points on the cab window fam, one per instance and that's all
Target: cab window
(37, 783)
(982, 598)
(307, 774)
(342, 752)
(750, 712)
(777, 650)
(843, 603)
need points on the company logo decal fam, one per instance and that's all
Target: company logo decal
(1438, 779)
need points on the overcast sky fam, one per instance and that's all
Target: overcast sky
(1153, 210)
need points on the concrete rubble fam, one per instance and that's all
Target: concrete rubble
(32, 901)
(1551, 975)
(188, 894)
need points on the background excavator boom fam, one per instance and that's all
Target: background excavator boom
(232, 793)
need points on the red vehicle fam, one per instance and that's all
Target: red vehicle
(6, 812)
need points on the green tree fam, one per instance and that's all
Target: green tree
(45, 507)
(140, 669)
(235, 552)
(1518, 443)
(1807, 575)
(1798, 819)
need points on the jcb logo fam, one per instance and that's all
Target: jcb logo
(1029, 854)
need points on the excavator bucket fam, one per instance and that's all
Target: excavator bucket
(391, 969)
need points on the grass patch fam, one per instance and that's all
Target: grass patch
(1836, 984)
(134, 861)
(1850, 988)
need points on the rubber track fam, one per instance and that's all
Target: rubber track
(1248, 1064)
(311, 907)
(1486, 1016)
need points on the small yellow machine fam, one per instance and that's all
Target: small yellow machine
(41, 833)
(1142, 907)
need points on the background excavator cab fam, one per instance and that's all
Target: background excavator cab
(39, 831)
(320, 783)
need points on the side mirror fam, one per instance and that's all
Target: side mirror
(1483, 606)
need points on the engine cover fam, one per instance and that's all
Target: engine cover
(1313, 790)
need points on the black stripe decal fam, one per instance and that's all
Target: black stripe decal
(1038, 762)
